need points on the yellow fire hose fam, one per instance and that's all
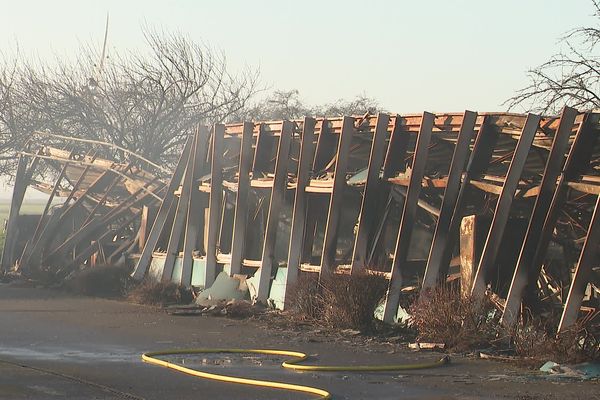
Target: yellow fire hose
(292, 364)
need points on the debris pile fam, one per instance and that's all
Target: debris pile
(97, 210)
(493, 203)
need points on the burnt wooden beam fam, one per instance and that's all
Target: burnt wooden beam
(116, 179)
(240, 218)
(583, 272)
(182, 203)
(504, 204)
(552, 170)
(577, 162)
(89, 250)
(192, 226)
(55, 187)
(323, 152)
(161, 218)
(479, 161)
(22, 179)
(214, 203)
(277, 195)
(407, 220)
(442, 231)
(468, 253)
(299, 213)
(396, 151)
(368, 209)
(336, 197)
(146, 221)
(100, 183)
(94, 225)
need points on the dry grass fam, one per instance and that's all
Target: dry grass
(461, 323)
(467, 323)
(536, 341)
(160, 293)
(101, 281)
(338, 301)
(305, 298)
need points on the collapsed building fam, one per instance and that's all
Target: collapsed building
(502, 203)
(96, 211)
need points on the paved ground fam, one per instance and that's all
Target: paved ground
(54, 345)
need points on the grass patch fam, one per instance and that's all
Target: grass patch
(155, 293)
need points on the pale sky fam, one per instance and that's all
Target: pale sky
(409, 55)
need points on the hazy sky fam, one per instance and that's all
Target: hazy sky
(409, 55)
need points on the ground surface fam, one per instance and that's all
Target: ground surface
(54, 345)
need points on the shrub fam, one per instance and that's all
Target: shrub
(151, 292)
(338, 301)
(101, 281)
(442, 315)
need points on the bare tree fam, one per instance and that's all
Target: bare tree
(146, 102)
(289, 105)
(571, 77)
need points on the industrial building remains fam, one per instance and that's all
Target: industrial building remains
(502, 203)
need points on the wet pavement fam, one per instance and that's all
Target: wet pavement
(54, 345)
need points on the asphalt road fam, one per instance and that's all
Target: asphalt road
(55, 345)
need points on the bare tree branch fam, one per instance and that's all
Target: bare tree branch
(148, 102)
(571, 77)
